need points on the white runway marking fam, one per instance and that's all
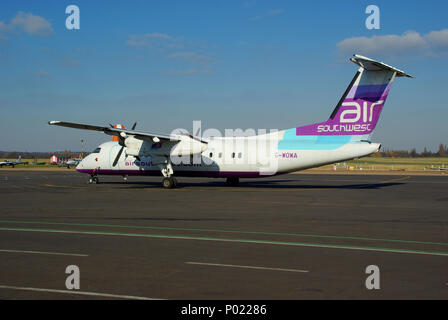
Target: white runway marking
(85, 293)
(246, 267)
(42, 252)
(252, 241)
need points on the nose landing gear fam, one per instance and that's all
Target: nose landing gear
(94, 180)
(93, 177)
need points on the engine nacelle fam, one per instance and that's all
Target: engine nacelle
(188, 146)
(141, 148)
(135, 147)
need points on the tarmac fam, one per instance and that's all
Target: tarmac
(297, 236)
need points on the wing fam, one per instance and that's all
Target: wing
(152, 137)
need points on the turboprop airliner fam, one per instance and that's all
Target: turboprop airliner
(345, 135)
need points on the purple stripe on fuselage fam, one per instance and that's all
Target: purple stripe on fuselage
(179, 173)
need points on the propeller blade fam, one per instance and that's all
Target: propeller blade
(135, 124)
(117, 157)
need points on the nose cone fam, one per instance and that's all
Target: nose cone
(80, 166)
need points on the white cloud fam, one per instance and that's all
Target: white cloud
(31, 24)
(377, 45)
(410, 42)
(190, 61)
(438, 39)
(201, 64)
(148, 39)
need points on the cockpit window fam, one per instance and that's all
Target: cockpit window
(97, 150)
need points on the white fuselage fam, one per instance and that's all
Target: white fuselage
(253, 156)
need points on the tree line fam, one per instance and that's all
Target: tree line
(39, 155)
(441, 152)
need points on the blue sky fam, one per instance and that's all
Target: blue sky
(231, 64)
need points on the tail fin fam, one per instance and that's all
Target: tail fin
(19, 159)
(359, 109)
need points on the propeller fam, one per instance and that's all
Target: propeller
(117, 157)
(122, 138)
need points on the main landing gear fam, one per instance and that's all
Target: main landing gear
(232, 181)
(168, 182)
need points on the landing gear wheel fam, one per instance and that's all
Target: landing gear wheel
(94, 180)
(169, 183)
(233, 181)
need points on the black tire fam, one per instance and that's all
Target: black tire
(233, 181)
(94, 180)
(168, 183)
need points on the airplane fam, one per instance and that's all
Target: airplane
(344, 136)
(71, 162)
(11, 163)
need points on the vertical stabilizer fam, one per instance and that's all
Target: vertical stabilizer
(359, 109)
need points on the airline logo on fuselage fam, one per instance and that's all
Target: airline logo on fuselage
(343, 128)
(367, 113)
(356, 119)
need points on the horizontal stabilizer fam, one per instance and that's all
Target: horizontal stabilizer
(372, 65)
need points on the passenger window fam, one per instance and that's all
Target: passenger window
(239, 155)
(211, 154)
(220, 155)
(233, 154)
